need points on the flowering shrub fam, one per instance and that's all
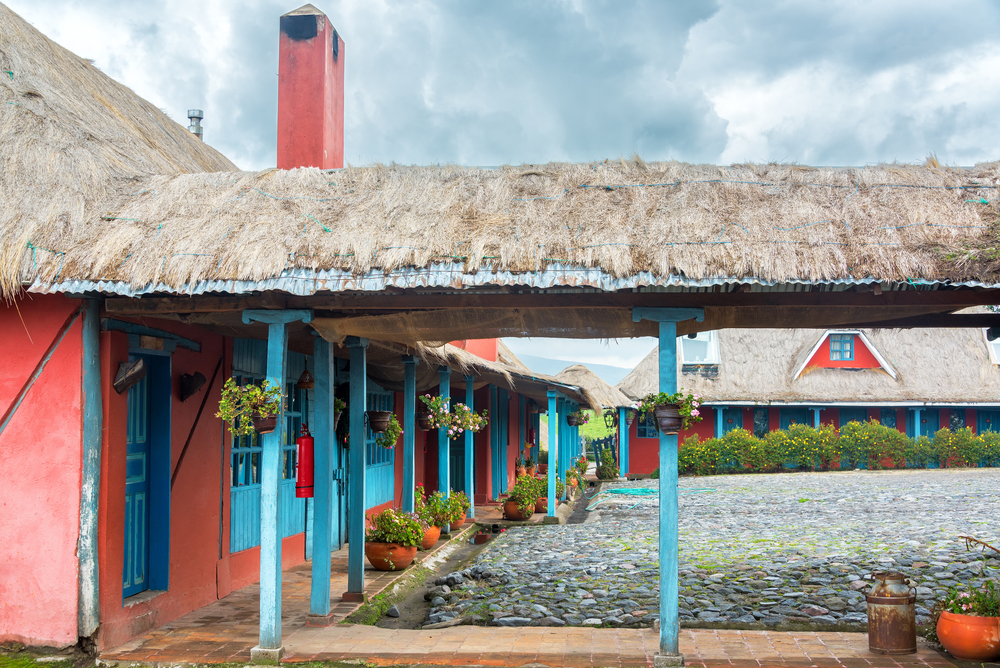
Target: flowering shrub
(687, 403)
(958, 448)
(395, 526)
(458, 505)
(432, 509)
(982, 602)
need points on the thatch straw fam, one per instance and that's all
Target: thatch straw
(72, 140)
(599, 393)
(935, 365)
(889, 222)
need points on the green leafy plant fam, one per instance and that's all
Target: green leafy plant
(958, 448)
(608, 470)
(526, 492)
(395, 526)
(339, 405)
(432, 508)
(582, 417)
(388, 438)
(465, 419)
(686, 402)
(438, 414)
(240, 403)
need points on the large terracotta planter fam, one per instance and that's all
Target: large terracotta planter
(970, 638)
(389, 556)
(542, 505)
(461, 520)
(530, 471)
(378, 421)
(430, 537)
(668, 418)
(512, 512)
(520, 471)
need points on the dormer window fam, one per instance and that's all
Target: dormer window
(993, 347)
(841, 347)
(700, 348)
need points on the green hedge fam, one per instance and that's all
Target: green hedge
(867, 445)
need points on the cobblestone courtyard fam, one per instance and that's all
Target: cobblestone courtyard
(758, 550)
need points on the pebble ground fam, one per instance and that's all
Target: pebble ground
(756, 551)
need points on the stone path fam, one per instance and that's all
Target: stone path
(756, 550)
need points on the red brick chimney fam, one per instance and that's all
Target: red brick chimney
(310, 91)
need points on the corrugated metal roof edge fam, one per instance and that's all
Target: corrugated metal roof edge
(305, 282)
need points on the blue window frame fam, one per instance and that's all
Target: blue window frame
(841, 347)
(646, 427)
(380, 474)
(888, 417)
(761, 422)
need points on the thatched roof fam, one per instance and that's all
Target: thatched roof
(72, 142)
(507, 356)
(637, 222)
(932, 365)
(599, 393)
(104, 193)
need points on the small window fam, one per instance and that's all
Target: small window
(888, 417)
(701, 348)
(841, 347)
(993, 347)
(956, 419)
(646, 428)
(760, 422)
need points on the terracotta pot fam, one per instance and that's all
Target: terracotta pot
(482, 538)
(378, 421)
(542, 505)
(572, 420)
(424, 421)
(389, 556)
(668, 418)
(460, 521)
(573, 482)
(543, 468)
(530, 471)
(519, 471)
(264, 425)
(512, 512)
(336, 419)
(970, 638)
(430, 537)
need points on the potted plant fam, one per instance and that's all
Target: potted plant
(581, 467)
(529, 465)
(969, 625)
(391, 541)
(673, 412)
(458, 504)
(629, 417)
(387, 437)
(424, 421)
(572, 478)
(250, 407)
(520, 503)
(578, 418)
(438, 415)
(378, 421)
(338, 407)
(608, 470)
(433, 512)
(542, 504)
(520, 467)
(464, 418)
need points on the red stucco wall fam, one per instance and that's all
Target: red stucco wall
(41, 471)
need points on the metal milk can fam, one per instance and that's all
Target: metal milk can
(892, 614)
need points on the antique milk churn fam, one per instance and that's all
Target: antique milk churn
(892, 615)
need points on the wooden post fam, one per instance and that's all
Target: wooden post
(356, 508)
(269, 649)
(623, 439)
(669, 623)
(553, 418)
(719, 427)
(325, 437)
(815, 417)
(444, 442)
(88, 607)
(409, 430)
(916, 422)
(470, 453)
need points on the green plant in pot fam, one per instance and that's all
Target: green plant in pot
(521, 499)
(968, 624)
(250, 407)
(388, 438)
(339, 405)
(392, 539)
(608, 470)
(673, 412)
(458, 504)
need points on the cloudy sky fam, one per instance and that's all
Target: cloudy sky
(487, 83)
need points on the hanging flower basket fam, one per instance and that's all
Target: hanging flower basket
(336, 419)
(572, 420)
(264, 425)
(424, 421)
(668, 418)
(378, 421)
(629, 418)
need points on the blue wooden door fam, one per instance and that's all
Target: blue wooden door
(790, 416)
(137, 460)
(732, 418)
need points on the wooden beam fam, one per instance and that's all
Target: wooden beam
(412, 302)
(936, 321)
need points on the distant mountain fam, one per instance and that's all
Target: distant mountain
(546, 365)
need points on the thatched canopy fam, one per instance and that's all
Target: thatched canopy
(939, 365)
(600, 394)
(72, 142)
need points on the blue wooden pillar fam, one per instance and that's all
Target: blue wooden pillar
(916, 422)
(325, 440)
(269, 646)
(553, 446)
(444, 441)
(88, 607)
(719, 427)
(470, 453)
(669, 622)
(409, 430)
(815, 417)
(358, 444)
(623, 440)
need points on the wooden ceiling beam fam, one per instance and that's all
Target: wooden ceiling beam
(945, 299)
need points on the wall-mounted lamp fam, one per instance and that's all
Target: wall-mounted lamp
(190, 384)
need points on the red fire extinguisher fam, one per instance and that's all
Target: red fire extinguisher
(304, 479)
